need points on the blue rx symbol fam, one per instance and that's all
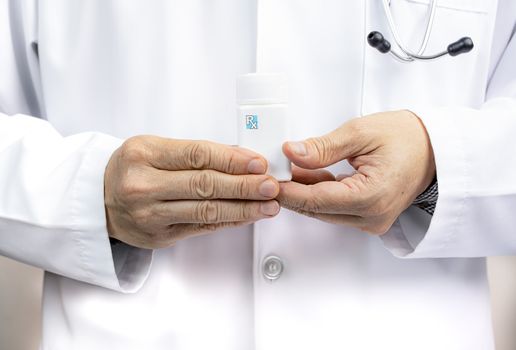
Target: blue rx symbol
(251, 121)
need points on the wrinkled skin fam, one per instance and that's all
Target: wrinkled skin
(393, 161)
(158, 191)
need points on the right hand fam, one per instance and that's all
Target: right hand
(158, 191)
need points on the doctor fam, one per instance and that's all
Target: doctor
(89, 69)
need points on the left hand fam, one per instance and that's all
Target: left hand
(394, 163)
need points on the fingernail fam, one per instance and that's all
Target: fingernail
(268, 188)
(298, 148)
(270, 208)
(256, 166)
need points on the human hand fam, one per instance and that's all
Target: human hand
(158, 191)
(394, 163)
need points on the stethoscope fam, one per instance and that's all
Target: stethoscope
(376, 39)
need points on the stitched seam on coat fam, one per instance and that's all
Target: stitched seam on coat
(74, 214)
(460, 211)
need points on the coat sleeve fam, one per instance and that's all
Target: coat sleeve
(52, 212)
(475, 154)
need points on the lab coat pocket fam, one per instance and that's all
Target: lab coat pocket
(459, 80)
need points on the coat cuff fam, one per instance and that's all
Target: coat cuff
(122, 267)
(417, 234)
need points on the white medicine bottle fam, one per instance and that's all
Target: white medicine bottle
(263, 119)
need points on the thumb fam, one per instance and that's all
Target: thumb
(320, 152)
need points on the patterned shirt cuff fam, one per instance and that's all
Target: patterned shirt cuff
(428, 199)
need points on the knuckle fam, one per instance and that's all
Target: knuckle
(203, 184)
(246, 212)
(230, 165)
(131, 186)
(207, 212)
(243, 188)
(133, 149)
(126, 187)
(198, 155)
(323, 147)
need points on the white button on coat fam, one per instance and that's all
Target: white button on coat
(169, 68)
(272, 268)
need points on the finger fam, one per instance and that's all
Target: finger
(337, 219)
(310, 177)
(373, 225)
(169, 154)
(215, 211)
(211, 184)
(171, 234)
(182, 231)
(319, 152)
(331, 197)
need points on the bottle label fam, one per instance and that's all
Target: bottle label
(251, 121)
(264, 129)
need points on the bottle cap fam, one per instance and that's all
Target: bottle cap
(262, 88)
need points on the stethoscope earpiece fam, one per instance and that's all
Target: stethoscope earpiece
(378, 41)
(462, 45)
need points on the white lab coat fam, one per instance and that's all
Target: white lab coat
(123, 68)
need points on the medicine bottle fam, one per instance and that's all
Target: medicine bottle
(263, 119)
